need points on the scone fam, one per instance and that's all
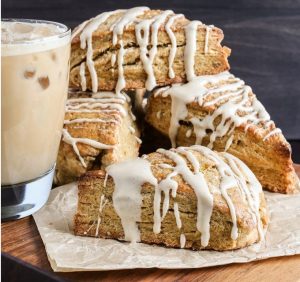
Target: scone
(221, 112)
(99, 129)
(143, 48)
(189, 197)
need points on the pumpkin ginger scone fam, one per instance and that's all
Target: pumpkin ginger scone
(143, 48)
(221, 112)
(99, 129)
(189, 197)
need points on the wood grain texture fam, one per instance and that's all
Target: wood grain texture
(264, 37)
(22, 240)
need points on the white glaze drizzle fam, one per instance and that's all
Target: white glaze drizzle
(228, 90)
(86, 41)
(190, 48)
(138, 140)
(131, 129)
(165, 166)
(272, 132)
(73, 142)
(159, 20)
(158, 115)
(195, 180)
(103, 202)
(173, 42)
(81, 120)
(105, 180)
(234, 173)
(183, 94)
(118, 28)
(160, 90)
(249, 186)
(233, 89)
(82, 76)
(182, 241)
(100, 102)
(101, 98)
(127, 199)
(188, 133)
(230, 119)
(269, 123)
(125, 20)
(142, 32)
(165, 186)
(227, 182)
(177, 216)
(113, 59)
(91, 226)
(121, 83)
(132, 115)
(208, 28)
(144, 104)
(80, 28)
(229, 142)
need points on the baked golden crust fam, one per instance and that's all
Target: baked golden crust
(117, 130)
(269, 159)
(107, 224)
(211, 62)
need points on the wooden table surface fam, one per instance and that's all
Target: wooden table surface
(22, 240)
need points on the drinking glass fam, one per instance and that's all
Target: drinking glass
(34, 83)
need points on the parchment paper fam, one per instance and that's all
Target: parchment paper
(67, 252)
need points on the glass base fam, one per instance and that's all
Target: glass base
(20, 200)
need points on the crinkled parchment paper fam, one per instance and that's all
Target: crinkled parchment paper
(67, 252)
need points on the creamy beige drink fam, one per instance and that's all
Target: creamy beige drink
(35, 70)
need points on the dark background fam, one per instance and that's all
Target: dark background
(264, 37)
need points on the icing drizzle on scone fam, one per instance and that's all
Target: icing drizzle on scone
(129, 176)
(146, 31)
(142, 31)
(232, 101)
(86, 42)
(184, 162)
(107, 103)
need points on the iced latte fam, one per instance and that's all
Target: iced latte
(35, 73)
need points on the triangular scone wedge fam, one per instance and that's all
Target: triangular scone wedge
(142, 48)
(99, 129)
(221, 112)
(189, 197)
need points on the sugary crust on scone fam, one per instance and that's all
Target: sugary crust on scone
(118, 133)
(211, 62)
(91, 189)
(269, 159)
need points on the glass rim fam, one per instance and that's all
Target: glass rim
(66, 31)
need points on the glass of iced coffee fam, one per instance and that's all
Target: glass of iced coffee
(34, 82)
